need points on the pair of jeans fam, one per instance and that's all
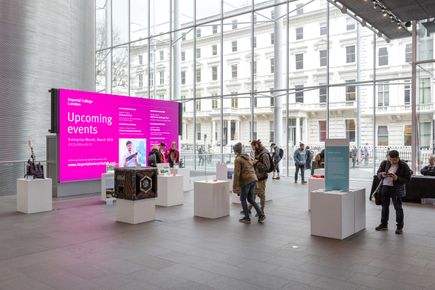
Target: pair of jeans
(389, 192)
(276, 164)
(302, 167)
(247, 193)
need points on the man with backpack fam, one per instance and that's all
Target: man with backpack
(277, 154)
(300, 160)
(263, 164)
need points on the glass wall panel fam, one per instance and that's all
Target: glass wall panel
(139, 68)
(138, 19)
(120, 33)
(120, 74)
(159, 13)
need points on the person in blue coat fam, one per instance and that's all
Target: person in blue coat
(300, 160)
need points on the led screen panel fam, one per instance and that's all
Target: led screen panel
(96, 129)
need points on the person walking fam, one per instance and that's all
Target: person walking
(277, 154)
(261, 165)
(244, 184)
(300, 161)
(394, 174)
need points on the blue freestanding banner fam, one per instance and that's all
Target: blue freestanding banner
(337, 164)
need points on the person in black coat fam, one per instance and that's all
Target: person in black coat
(429, 170)
(394, 174)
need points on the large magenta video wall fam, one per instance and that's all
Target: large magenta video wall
(96, 129)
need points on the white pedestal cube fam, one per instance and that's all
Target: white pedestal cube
(211, 199)
(314, 184)
(337, 214)
(185, 172)
(34, 195)
(169, 190)
(135, 211)
(107, 181)
(319, 172)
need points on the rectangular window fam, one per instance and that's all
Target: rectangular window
(272, 99)
(234, 24)
(272, 38)
(234, 102)
(254, 68)
(233, 130)
(254, 43)
(151, 79)
(214, 104)
(350, 91)
(299, 33)
(255, 101)
(323, 57)
(350, 130)
(162, 77)
(214, 49)
(140, 59)
(254, 19)
(214, 73)
(382, 136)
(350, 24)
(198, 52)
(184, 104)
(140, 77)
(234, 71)
(198, 32)
(408, 52)
(254, 129)
(183, 36)
(183, 77)
(407, 134)
(425, 134)
(272, 14)
(407, 93)
(350, 54)
(234, 46)
(323, 28)
(322, 95)
(383, 56)
(198, 106)
(161, 55)
(299, 94)
(272, 65)
(383, 95)
(215, 29)
(299, 9)
(198, 131)
(425, 96)
(299, 60)
(183, 56)
(322, 131)
(271, 132)
(198, 75)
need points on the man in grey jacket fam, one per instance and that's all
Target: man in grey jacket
(300, 161)
(261, 165)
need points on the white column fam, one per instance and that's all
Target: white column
(213, 130)
(298, 131)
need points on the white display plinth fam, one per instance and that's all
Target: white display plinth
(34, 195)
(107, 181)
(169, 190)
(135, 211)
(269, 193)
(314, 184)
(337, 214)
(185, 172)
(211, 199)
(319, 172)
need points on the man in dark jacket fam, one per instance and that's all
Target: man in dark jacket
(244, 183)
(276, 158)
(394, 174)
(261, 165)
(429, 170)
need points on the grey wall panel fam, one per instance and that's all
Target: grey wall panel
(43, 44)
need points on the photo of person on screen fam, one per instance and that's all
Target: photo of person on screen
(129, 158)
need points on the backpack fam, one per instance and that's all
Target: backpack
(281, 153)
(272, 166)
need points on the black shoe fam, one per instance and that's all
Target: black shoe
(243, 212)
(296, 181)
(382, 227)
(277, 178)
(245, 220)
(399, 231)
(261, 218)
(303, 182)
